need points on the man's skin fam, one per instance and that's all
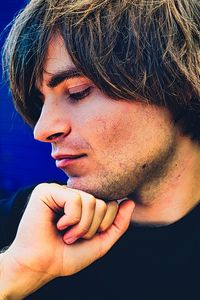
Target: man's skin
(130, 150)
(130, 147)
(39, 252)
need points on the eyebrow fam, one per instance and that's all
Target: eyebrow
(60, 76)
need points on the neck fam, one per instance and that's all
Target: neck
(173, 196)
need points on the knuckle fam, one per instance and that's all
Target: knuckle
(76, 198)
(72, 205)
(68, 220)
(88, 236)
(102, 205)
(82, 231)
(41, 187)
(55, 185)
(113, 205)
(74, 194)
(91, 201)
(75, 220)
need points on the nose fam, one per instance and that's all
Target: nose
(52, 124)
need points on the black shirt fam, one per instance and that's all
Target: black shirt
(146, 263)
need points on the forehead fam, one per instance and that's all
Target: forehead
(57, 57)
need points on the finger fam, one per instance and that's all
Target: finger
(103, 241)
(60, 199)
(72, 211)
(100, 244)
(58, 195)
(100, 211)
(112, 208)
(88, 209)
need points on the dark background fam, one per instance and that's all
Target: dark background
(23, 161)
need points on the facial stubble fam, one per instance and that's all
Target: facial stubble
(131, 180)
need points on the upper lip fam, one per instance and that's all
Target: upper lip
(66, 156)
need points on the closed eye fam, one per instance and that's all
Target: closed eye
(74, 94)
(80, 95)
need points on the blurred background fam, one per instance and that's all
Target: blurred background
(23, 161)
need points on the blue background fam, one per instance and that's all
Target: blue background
(23, 161)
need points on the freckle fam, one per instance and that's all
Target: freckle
(144, 166)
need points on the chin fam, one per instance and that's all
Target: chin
(100, 189)
(76, 183)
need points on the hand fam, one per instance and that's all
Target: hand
(40, 251)
(89, 215)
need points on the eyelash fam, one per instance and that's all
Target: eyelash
(75, 97)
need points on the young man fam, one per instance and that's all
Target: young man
(114, 87)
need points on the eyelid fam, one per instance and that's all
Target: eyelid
(70, 90)
(79, 88)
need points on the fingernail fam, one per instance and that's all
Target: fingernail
(70, 240)
(62, 227)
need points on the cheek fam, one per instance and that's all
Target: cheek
(110, 132)
(125, 135)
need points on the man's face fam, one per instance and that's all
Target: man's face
(109, 148)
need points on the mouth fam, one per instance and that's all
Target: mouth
(63, 161)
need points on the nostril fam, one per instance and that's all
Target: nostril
(54, 136)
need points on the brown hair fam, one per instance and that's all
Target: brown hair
(131, 49)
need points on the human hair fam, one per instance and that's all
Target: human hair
(144, 50)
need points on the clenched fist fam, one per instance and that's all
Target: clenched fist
(61, 232)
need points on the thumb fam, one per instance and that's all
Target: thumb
(118, 228)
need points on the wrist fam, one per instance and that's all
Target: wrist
(3, 293)
(16, 280)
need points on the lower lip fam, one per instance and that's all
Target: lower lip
(63, 163)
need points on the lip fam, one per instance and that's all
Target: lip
(64, 160)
